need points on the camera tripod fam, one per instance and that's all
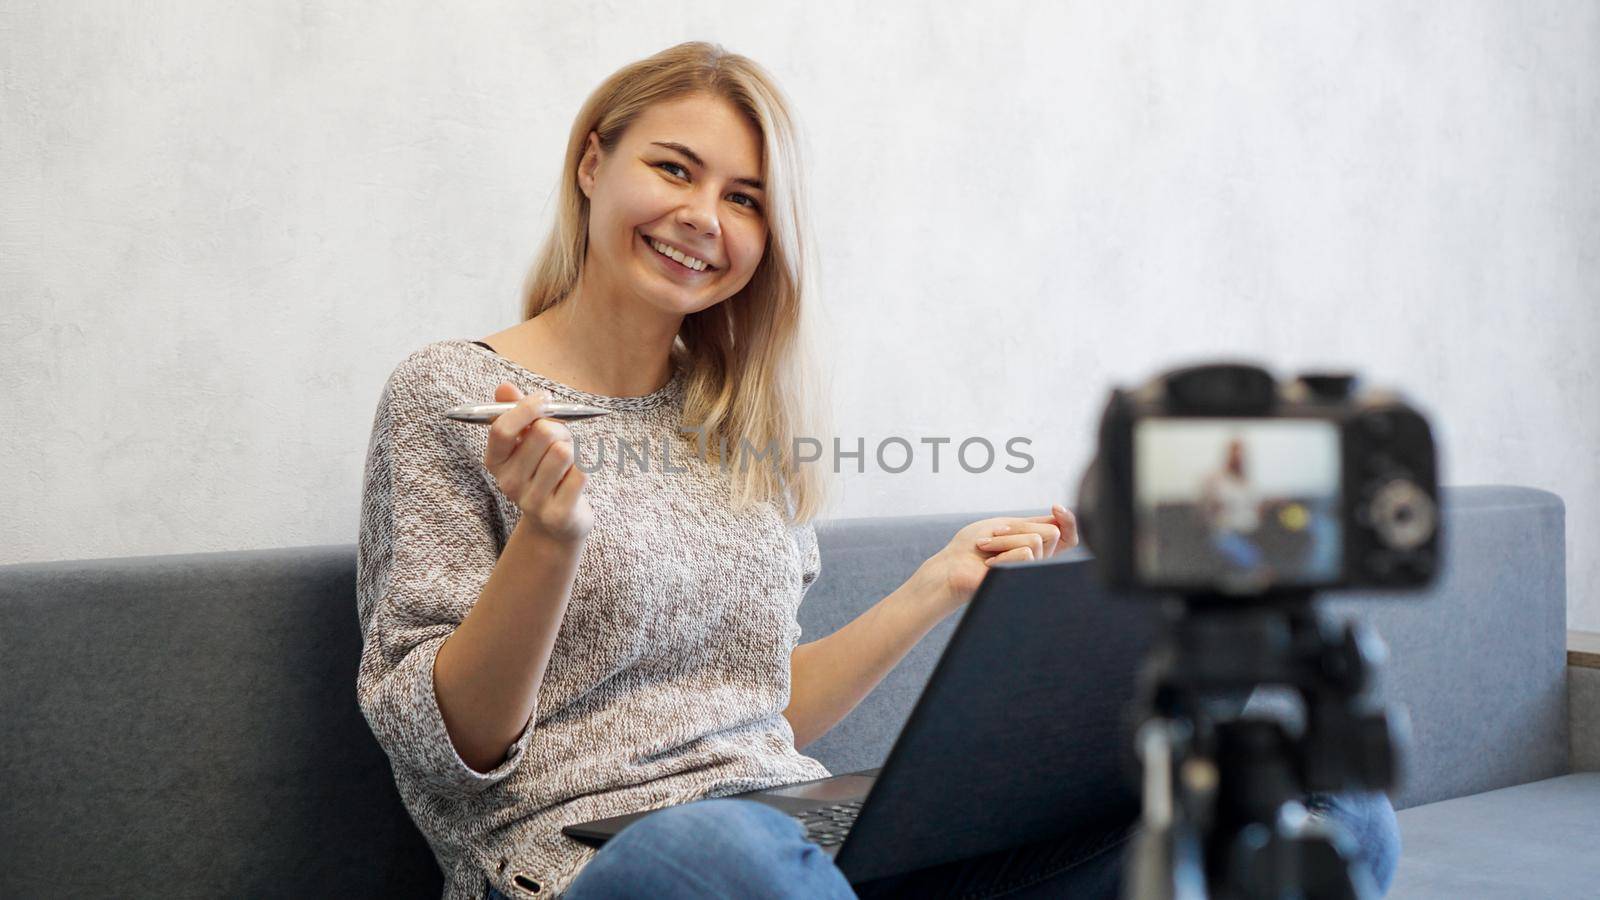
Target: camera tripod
(1223, 794)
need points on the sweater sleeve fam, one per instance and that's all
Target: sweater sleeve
(428, 543)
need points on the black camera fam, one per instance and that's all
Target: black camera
(1237, 499)
(1217, 479)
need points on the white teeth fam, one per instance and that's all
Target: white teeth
(691, 262)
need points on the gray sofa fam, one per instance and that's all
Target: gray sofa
(186, 726)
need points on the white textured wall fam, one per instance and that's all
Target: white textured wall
(221, 229)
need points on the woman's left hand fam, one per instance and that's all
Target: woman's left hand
(953, 574)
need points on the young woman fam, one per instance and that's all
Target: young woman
(1233, 509)
(569, 622)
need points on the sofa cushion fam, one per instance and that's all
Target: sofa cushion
(1532, 840)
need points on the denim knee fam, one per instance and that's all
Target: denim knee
(720, 848)
(1369, 818)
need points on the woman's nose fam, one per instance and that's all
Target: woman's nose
(700, 214)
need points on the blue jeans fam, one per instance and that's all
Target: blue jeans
(1238, 550)
(739, 848)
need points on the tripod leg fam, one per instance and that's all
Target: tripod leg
(1165, 864)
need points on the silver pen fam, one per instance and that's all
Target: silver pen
(484, 413)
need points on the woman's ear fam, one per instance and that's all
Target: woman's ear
(588, 164)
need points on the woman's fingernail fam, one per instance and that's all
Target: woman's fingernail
(1000, 528)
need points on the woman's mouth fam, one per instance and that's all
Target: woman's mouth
(679, 263)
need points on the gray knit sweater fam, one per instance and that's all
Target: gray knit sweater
(670, 671)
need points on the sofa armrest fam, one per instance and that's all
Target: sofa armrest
(1583, 698)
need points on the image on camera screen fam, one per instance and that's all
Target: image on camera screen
(1237, 503)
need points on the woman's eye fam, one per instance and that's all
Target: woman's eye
(746, 200)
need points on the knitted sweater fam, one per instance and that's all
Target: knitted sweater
(669, 673)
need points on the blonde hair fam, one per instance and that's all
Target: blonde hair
(749, 377)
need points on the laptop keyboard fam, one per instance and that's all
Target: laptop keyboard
(827, 825)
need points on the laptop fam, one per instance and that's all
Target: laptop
(1023, 733)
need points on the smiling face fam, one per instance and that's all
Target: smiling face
(685, 177)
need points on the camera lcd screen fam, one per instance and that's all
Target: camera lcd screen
(1237, 504)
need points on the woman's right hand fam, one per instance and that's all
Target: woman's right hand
(534, 463)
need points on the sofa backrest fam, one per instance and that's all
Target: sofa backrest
(187, 725)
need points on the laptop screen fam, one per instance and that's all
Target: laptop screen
(1023, 731)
